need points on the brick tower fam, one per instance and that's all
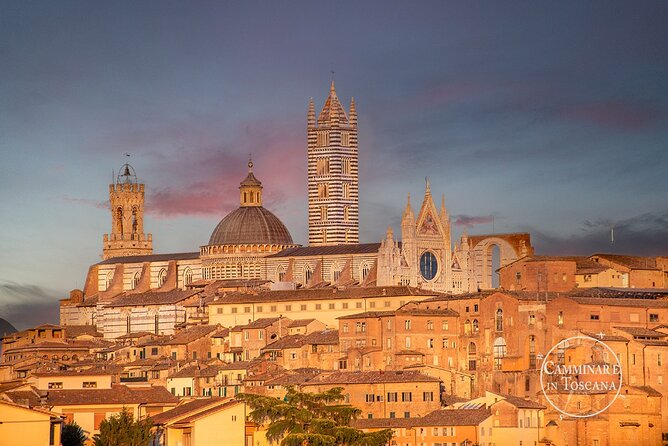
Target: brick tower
(333, 180)
(127, 237)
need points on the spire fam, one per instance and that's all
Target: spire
(353, 113)
(427, 190)
(444, 210)
(311, 113)
(390, 233)
(408, 212)
(333, 112)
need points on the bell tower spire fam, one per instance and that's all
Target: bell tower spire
(250, 189)
(333, 185)
(127, 237)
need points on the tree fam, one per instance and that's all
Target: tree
(123, 430)
(72, 435)
(311, 419)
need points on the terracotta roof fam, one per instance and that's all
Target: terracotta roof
(191, 334)
(632, 262)
(118, 394)
(606, 336)
(648, 390)
(72, 331)
(291, 379)
(151, 258)
(441, 417)
(290, 341)
(642, 332)
(621, 302)
(49, 345)
(236, 297)
(185, 408)
(33, 409)
(300, 323)
(152, 298)
(29, 397)
(621, 293)
(422, 311)
(263, 323)
(388, 376)
(328, 250)
(323, 337)
(367, 315)
(208, 411)
(521, 402)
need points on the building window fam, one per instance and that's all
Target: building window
(532, 319)
(135, 280)
(370, 397)
(560, 318)
(407, 324)
(323, 213)
(475, 308)
(55, 385)
(653, 317)
(427, 396)
(499, 320)
(302, 307)
(365, 268)
(445, 325)
(594, 317)
(499, 352)
(346, 190)
(162, 277)
(345, 165)
(475, 326)
(187, 276)
(323, 190)
(281, 273)
(307, 273)
(406, 397)
(430, 325)
(428, 265)
(408, 342)
(322, 166)
(344, 328)
(391, 397)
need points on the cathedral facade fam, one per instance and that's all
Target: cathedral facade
(251, 248)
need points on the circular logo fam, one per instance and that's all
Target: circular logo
(581, 376)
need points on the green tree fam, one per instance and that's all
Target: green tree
(72, 435)
(311, 419)
(123, 430)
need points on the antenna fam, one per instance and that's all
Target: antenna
(612, 235)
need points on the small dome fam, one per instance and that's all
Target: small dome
(249, 226)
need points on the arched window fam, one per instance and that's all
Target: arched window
(532, 352)
(499, 352)
(346, 210)
(188, 276)
(135, 223)
(119, 220)
(499, 320)
(467, 327)
(365, 270)
(336, 272)
(162, 277)
(135, 280)
(280, 273)
(110, 278)
(307, 274)
(475, 326)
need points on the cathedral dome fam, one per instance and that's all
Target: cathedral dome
(250, 225)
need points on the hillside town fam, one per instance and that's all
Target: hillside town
(416, 331)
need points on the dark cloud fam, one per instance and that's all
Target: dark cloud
(469, 221)
(25, 305)
(645, 234)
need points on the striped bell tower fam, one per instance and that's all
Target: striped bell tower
(333, 180)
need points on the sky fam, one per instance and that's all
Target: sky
(545, 117)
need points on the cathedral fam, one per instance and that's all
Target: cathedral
(251, 248)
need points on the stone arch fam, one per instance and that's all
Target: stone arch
(511, 247)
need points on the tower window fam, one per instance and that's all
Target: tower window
(346, 190)
(346, 211)
(322, 166)
(323, 190)
(345, 165)
(323, 213)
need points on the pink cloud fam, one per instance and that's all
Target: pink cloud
(444, 93)
(613, 114)
(469, 221)
(87, 202)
